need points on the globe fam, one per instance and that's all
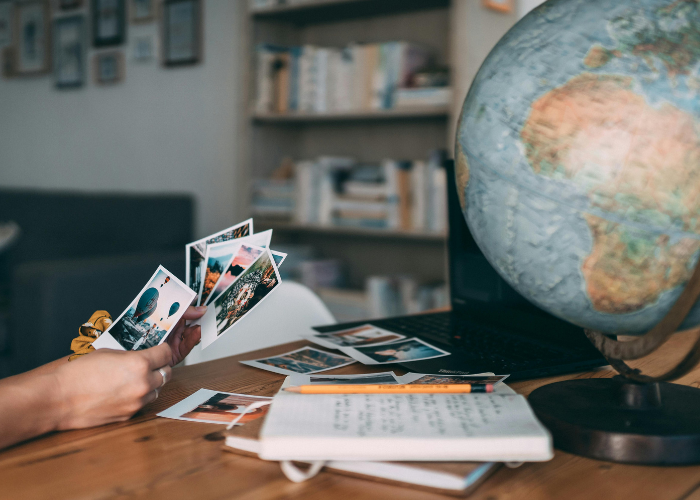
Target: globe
(578, 159)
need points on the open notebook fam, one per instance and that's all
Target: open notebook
(454, 478)
(497, 427)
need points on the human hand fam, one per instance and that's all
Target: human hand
(182, 339)
(108, 386)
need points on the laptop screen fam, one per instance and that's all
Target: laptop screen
(473, 281)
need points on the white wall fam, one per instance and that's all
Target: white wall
(161, 130)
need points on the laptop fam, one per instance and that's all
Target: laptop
(490, 327)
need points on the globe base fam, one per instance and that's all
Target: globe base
(621, 421)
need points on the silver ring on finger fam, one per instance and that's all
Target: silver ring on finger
(156, 391)
(164, 375)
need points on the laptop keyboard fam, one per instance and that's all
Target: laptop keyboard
(481, 343)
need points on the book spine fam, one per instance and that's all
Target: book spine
(392, 187)
(322, 74)
(418, 195)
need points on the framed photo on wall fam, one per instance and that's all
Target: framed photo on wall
(6, 23)
(142, 11)
(182, 32)
(505, 6)
(109, 68)
(69, 49)
(32, 38)
(108, 22)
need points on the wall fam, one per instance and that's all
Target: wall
(161, 130)
(475, 31)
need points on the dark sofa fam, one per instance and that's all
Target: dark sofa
(77, 253)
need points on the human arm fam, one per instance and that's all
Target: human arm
(101, 387)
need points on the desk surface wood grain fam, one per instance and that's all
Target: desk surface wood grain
(152, 457)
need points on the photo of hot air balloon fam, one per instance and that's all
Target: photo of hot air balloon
(151, 316)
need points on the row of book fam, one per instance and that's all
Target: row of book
(372, 76)
(338, 191)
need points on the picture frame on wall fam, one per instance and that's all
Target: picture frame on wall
(182, 32)
(69, 49)
(108, 22)
(108, 68)
(505, 6)
(142, 11)
(6, 23)
(32, 34)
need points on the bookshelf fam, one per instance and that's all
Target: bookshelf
(367, 135)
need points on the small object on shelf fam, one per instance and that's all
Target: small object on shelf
(182, 32)
(505, 6)
(32, 56)
(143, 48)
(423, 96)
(109, 67)
(69, 51)
(108, 22)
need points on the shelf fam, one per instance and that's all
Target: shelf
(281, 226)
(432, 112)
(318, 11)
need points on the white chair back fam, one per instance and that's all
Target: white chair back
(290, 311)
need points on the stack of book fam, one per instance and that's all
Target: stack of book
(398, 195)
(358, 77)
(272, 198)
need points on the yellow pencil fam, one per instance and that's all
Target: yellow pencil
(391, 389)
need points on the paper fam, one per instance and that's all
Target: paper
(304, 360)
(412, 349)
(151, 316)
(440, 427)
(241, 297)
(217, 407)
(363, 335)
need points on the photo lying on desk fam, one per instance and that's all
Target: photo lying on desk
(195, 251)
(304, 360)
(215, 407)
(423, 378)
(151, 316)
(245, 293)
(383, 378)
(412, 349)
(363, 335)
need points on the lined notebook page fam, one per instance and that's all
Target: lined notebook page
(403, 427)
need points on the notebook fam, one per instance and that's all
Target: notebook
(403, 427)
(453, 478)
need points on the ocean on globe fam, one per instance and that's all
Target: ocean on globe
(578, 159)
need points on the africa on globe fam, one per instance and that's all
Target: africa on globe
(578, 159)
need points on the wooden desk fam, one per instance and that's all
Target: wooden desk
(151, 457)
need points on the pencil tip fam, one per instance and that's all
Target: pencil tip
(292, 389)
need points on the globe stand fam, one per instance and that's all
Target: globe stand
(630, 418)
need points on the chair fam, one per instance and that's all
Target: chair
(289, 312)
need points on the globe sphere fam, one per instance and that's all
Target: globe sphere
(578, 159)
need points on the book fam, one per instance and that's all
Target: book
(403, 427)
(453, 478)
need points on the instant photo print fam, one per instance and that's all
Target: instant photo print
(363, 335)
(151, 316)
(303, 360)
(215, 407)
(412, 349)
(243, 295)
(195, 251)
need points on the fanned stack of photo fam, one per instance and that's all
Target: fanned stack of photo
(231, 271)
